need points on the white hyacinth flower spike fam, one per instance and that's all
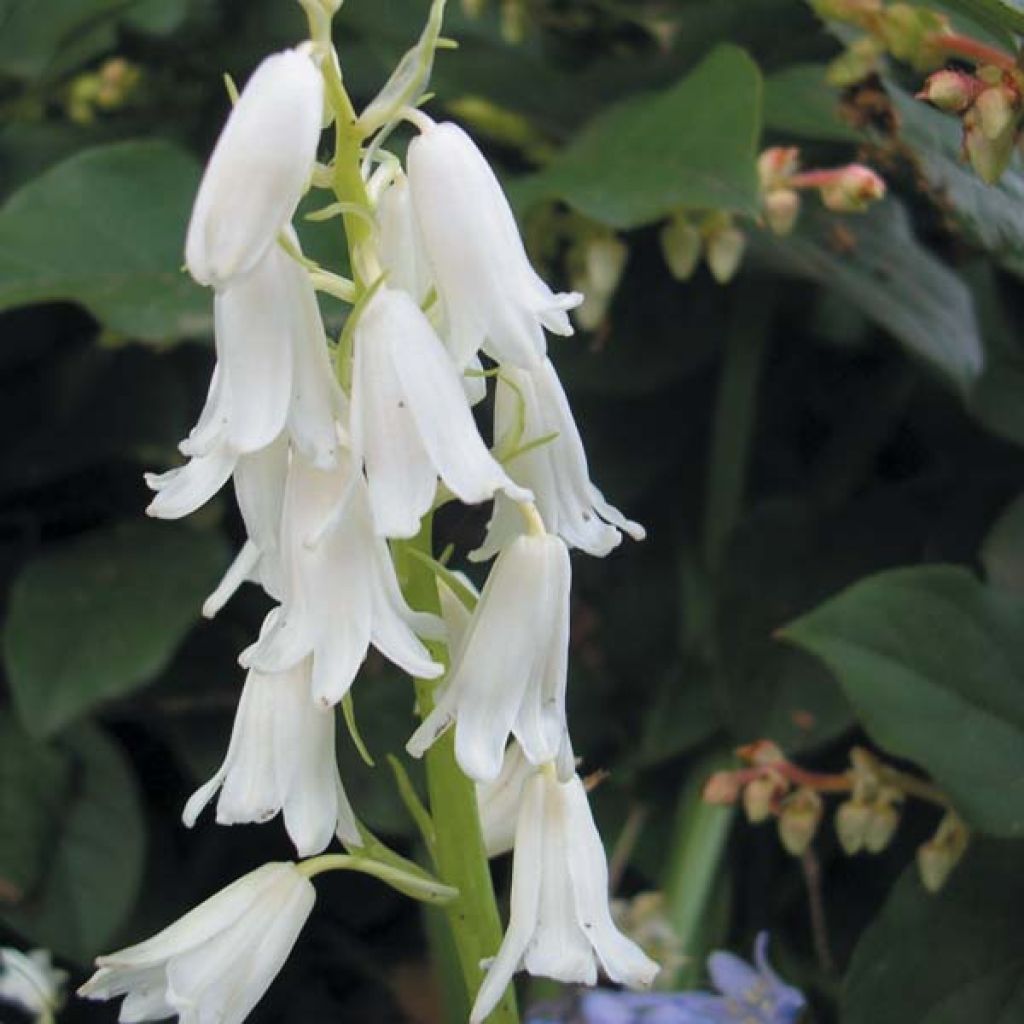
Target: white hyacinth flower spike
(488, 289)
(339, 588)
(281, 758)
(508, 675)
(216, 962)
(411, 420)
(560, 925)
(555, 470)
(258, 170)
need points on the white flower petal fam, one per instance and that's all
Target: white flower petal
(240, 571)
(499, 801)
(317, 404)
(622, 959)
(488, 288)
(258, 169)
(213, 421)
(401, 250)
(254, 353)
(524, 901)
(181, 491)
(200, 924)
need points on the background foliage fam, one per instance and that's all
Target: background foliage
(856, 576)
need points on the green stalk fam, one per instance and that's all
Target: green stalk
(459, 853)
(695, 882)
(734, 417)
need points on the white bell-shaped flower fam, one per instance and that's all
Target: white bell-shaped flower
(258, 170)
(259, 481)
(560, 925)
(556, 470)
(281, 758)
(498, 801)
(491, 295)
(401, 250)
(216, 962)
(339, 589)
(411, 421)
(272, 374)
(508, 675)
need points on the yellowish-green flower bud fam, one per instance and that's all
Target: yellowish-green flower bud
(853, 818)
(799, 820)
(781, 209)
(937, 857)
(681, 245)
(724, 253)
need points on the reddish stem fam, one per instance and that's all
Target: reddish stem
(973, 50)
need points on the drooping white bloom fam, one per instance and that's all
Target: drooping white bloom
(560, 925)
(401, 251)
(556, 471)
(492, 297)
(339, 592)
(30, 982)
(509, 675)
(258, 170)
(272, 375)
(259, 481)
(216, 962)
(411, 421)
(498, 801)
(281, 758)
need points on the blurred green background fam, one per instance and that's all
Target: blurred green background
(851, 401)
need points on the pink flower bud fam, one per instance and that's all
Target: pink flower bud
(952, 91)
(776, 165)
(852, 189)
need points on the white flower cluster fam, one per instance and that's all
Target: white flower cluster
(326, 476)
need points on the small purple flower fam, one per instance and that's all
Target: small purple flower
(748, 995)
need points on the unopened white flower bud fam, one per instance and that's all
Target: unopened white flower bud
(258, 170)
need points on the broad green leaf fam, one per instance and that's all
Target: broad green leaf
(30, 38)
(991, 216)
(933, 663)
(96, 861)
(106, 228)
(798, 101)
(33, 787)
(693, 145)
(948, 958)
(783, 560)
(100, 617)
(874, 262)
(1002, 554)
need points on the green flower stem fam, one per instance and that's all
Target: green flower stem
(695, 882)
(734, 417)
(459, 853)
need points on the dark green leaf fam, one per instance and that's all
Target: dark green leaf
(1002, 554)
(948, 958)
(96, 867)
(933, 663)
(106, 228)
(992, 216)
(33, 783)
(29, 39)
(874, 261)
(1002, 17)
(101, 617)
(693, 145)
(798, 101)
